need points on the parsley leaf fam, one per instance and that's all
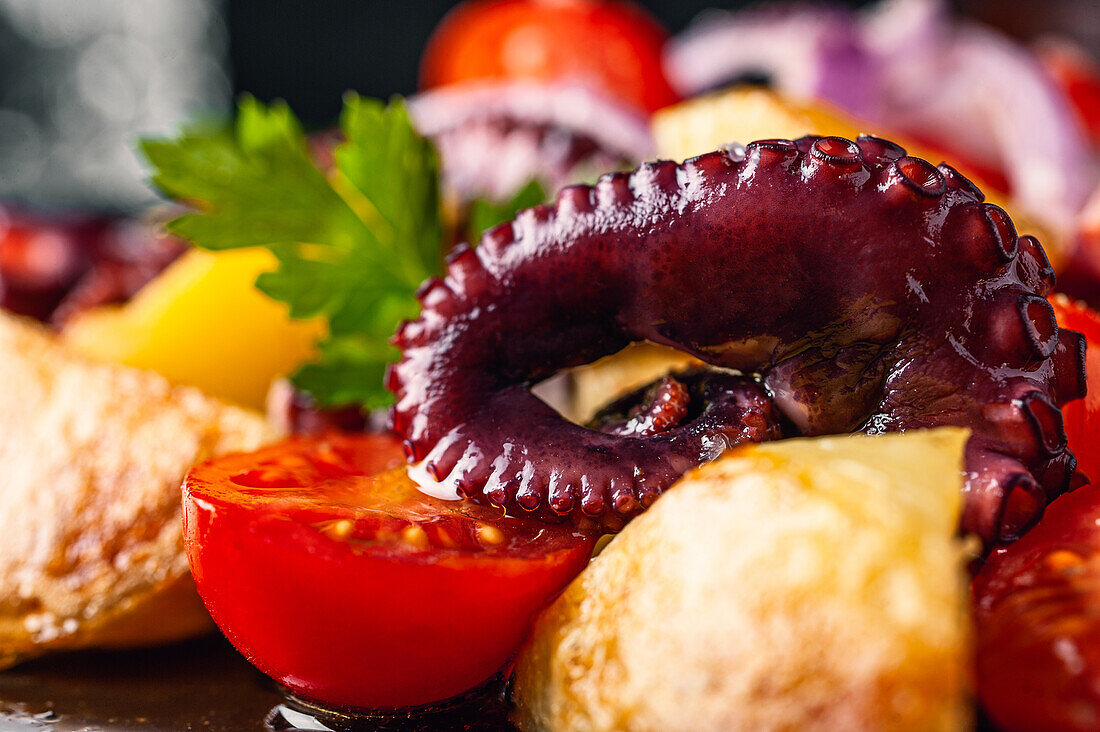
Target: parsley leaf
(353, 245)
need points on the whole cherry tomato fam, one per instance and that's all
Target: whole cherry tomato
(1037, 616)
(612, 45)
(332, 573)
(1082, 416)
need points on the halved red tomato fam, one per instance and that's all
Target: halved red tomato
(1037, 614)
(1082, 416)
(325, 565)
(612, 45)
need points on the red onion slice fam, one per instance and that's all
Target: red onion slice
(908, 67)
(495, 137)
(811, 52)
(972, 89)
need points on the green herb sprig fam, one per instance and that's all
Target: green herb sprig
(353, 243)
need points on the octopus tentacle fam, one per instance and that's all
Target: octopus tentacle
(651, 410)
(871, 290)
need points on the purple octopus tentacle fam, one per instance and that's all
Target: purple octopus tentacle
(872, 290)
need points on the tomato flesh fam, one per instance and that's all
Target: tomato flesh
(1037, 612)
(330, 571)
(610, 45)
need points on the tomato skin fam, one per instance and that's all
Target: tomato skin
(611, 45)
(1082, 416)
(1037, 613)
(361, 624)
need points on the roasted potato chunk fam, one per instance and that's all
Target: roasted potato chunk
(91, 460)
(795, 585)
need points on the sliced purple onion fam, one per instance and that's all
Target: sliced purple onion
(809, 51)
(495, 137)
(908, 66)
(973, 89)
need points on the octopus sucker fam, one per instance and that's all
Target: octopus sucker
(867, 289)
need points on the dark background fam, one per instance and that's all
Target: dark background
(309, 52)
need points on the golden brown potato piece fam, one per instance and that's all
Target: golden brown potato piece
(91, 460)
(796, 585)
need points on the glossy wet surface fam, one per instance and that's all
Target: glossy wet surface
(201, 685)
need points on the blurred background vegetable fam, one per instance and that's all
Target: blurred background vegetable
(79, 81)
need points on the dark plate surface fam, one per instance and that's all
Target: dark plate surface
(200, 685)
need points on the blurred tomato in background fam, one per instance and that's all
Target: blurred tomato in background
(613, 46)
